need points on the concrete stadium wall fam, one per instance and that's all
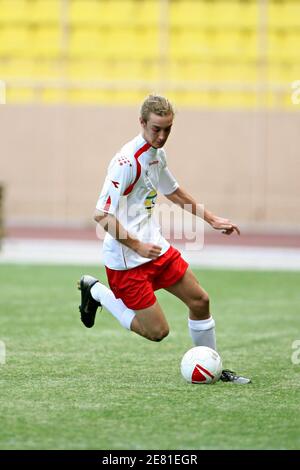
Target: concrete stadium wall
(243, 165)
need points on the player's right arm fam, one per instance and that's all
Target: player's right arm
(112, 225)
(119, 178)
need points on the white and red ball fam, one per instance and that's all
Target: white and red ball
(201, 365)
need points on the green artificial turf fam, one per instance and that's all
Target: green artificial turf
(66, 387)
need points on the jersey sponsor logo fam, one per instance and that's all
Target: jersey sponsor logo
(115, 183)
(150, 201)
(155, 162)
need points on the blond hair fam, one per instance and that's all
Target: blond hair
(156, 104)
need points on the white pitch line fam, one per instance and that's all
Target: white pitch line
(37, 251)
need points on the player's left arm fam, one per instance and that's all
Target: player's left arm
(188, 203)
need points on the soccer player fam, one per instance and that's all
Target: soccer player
(137, 258)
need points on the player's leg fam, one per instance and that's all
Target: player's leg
(149, 322)
(94, 294)
(192, 294)
(201, 323)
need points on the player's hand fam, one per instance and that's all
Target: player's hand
(225, 225)
(147, 250)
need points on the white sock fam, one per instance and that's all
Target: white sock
(116, 307)
(203, 332)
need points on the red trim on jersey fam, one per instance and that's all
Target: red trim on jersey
(107, 204)
(138, 167)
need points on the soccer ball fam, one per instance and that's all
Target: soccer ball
(201, 365)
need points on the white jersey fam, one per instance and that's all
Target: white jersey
(129, 193)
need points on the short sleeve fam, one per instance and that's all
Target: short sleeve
(167, 183)
(120, 175)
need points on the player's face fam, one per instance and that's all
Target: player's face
(157, 129)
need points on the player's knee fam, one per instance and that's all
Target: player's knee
(200, 304)
(159, 335)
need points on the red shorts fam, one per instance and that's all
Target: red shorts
(136, 286)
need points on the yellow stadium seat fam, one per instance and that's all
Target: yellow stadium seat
(227, 45)
(128, 97)
(276, 99)
(235, 73)
(15, 42)
(275, 12)
(114, 42)
(214, 14)
(190, 44)
(148, 44)
(103, 70)
(86, 12)
(109, 13)
(293, 46)
(203, 99)
(237, 45)
(82, 69)
(249, 43)
(249, 15)
(48, 70)
(109, 70)
(217, 99)
(89, 43)
(14, 11)
(276, 46)
(189, 13)
(236, 100)
(225, 13)
(286, 101)
(119, 13)
(80, 96)
(132, 43)
(104, 97)
(284, 14)
(129, 13)
(190, 71)
(17, 69)
(53, 95)
(121, 43)
(291, 13)
(132, 70)
(294, 71)
(147, 12)
(20, 95)
(46, 11)
(150, 70)
(47, 42)
(281, 73)
(218, 71)
(284, 46)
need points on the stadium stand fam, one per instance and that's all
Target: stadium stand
(215, 53)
